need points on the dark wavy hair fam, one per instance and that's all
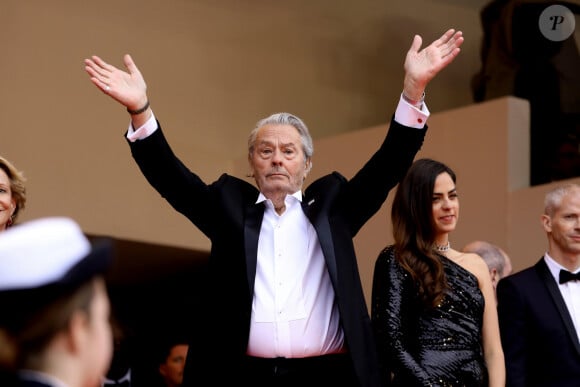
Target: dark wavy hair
(413, 229)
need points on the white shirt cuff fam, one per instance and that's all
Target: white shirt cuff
(144, 131)
(408, 115)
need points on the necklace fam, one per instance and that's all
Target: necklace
(442, 249)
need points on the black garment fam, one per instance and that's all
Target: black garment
(317, 371)
(428, 347)
(566, 276)
(7, 379)
(538, 337)
(227, 213)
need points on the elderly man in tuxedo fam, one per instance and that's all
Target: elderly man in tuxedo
(285, 305)
(539, 307)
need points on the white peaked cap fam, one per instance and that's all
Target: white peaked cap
(49, 251)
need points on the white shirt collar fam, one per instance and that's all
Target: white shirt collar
(297, 195)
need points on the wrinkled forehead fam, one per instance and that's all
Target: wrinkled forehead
(278, 134)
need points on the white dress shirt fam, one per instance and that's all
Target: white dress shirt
(294, 313)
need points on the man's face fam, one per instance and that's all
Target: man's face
(172, 369)
(563, 227)
(278, 161)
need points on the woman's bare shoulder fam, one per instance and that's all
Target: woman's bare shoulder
(470, 262)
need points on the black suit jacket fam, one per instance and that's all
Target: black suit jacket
(540, 343)
(227, 213)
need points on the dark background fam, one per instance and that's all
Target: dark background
(155, 293)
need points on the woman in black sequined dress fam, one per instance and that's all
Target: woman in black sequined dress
(433, 308)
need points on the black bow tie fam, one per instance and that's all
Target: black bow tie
(566, 276)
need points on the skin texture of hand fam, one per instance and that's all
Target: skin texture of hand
(422, 66)
(126, 87)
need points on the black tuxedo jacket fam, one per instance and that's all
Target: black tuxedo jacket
(227, 213)
(538, 337)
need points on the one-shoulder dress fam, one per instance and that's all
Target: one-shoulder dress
(421, 346)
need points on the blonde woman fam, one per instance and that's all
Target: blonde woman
(12, 193)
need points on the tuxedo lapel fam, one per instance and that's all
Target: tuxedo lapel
(554, 290)
(253, 222)
(319, 220)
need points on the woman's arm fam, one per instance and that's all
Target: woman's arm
(491, 341)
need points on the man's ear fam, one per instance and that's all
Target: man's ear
(307, 167)
(547, 223)
(250, 166)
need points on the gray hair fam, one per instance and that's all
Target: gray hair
(553, 198)
(491, 254)
(285, 119)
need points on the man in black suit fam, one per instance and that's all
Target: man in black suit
(539, 307)
(285, 305)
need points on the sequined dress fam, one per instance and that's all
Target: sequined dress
(428, 347)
